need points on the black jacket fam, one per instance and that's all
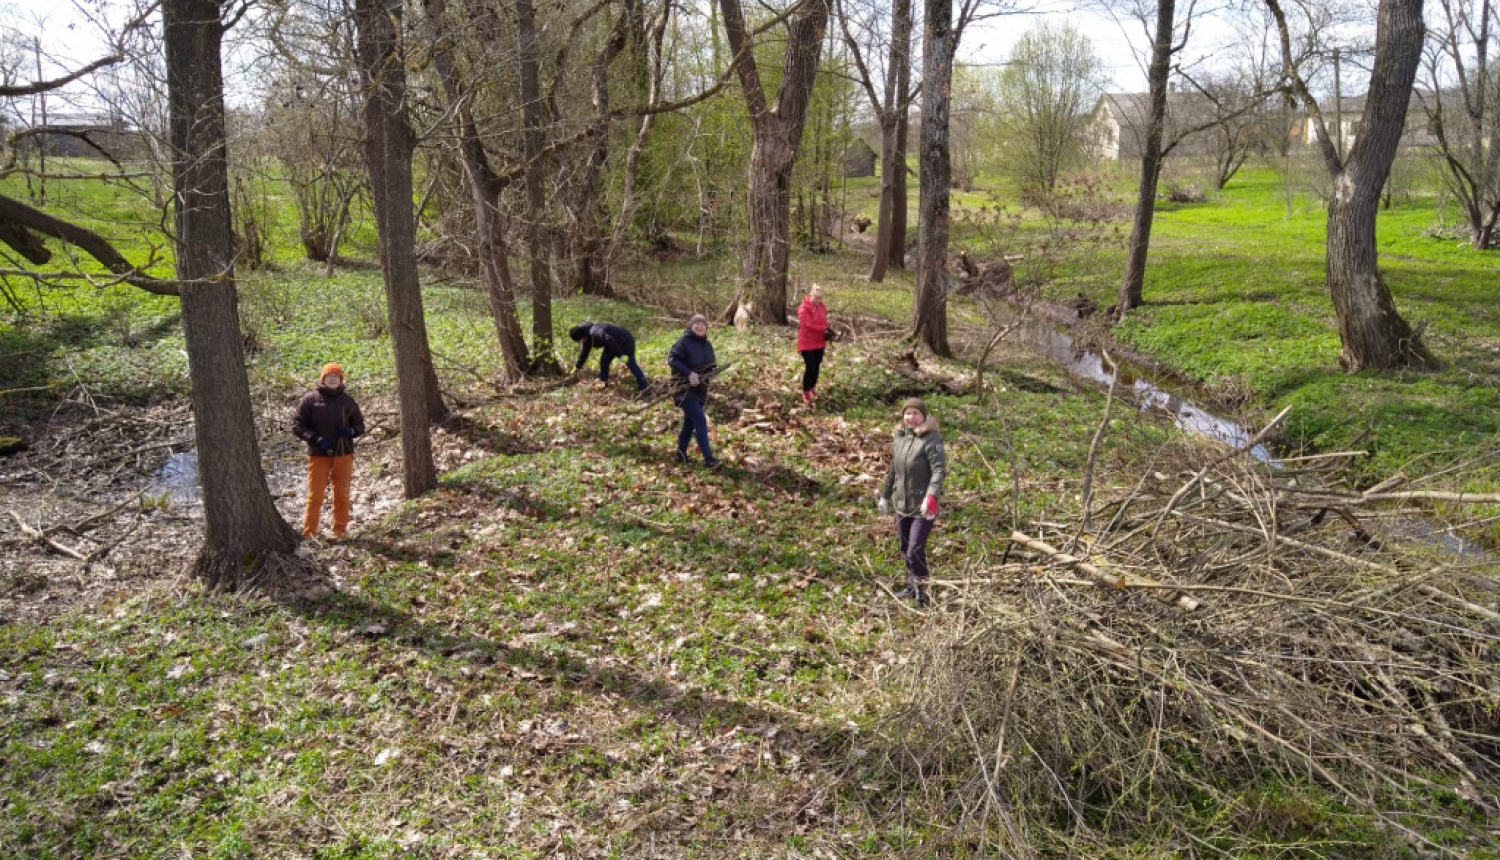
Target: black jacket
(612, 340)
(320, 415)
(692, 354)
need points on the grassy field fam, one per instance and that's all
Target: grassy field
(1235, 294)
(574, 648)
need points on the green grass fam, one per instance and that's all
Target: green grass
(1235, 292)
(574, 647)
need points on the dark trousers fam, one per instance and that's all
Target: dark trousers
(911, 534)
(635, 369)
(694, 426)
(812, 361)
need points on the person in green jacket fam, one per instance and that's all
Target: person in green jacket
(912, 489)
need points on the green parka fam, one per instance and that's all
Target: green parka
(918, 467)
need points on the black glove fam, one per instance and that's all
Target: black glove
(326, 445)
(346, 432)
(830, 335)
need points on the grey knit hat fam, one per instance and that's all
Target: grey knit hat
(917, 404)
(697, 318)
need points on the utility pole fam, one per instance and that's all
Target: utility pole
(1338, 108)
(41, 139)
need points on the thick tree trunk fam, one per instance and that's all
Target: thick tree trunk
(543, 356)
(1133, 283)
(1373, 334)
(499, 288)
(389, 145)
(243, 531)
(769, 199)
(899, 208)
(777, 133)
(930, 304)
(485, 186)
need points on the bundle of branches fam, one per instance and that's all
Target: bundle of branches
(1192, 680)
(97, 452)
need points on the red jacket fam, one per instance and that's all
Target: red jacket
(812, 325)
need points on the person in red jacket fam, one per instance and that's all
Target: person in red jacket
(328, 420)
(812, 339)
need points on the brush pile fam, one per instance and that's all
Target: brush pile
(1240, 659)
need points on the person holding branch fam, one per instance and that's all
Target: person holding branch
(692, 361)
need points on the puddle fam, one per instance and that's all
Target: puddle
(178, 479)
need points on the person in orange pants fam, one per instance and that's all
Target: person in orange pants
(329, 421)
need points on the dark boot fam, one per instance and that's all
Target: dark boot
(915, 588)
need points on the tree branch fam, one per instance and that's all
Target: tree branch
(17, 216)
(38, 87)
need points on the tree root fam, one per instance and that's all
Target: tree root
(275, 575)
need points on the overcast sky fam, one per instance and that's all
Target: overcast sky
(69, 38)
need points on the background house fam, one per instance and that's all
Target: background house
(1346, 117)
(85, 135)
(1118, 125)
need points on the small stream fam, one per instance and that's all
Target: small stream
(1058, 345)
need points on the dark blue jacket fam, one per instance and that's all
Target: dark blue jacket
(692, 354)
(612, 340)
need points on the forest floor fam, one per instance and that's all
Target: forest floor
(576, 647)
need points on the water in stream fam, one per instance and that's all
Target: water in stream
(1058, 346)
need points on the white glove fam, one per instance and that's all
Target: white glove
(885, 507)
(694, 379)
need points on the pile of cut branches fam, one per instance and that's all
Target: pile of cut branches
(1236, 660)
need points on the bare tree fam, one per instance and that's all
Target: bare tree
(939, 47)
(312, 134)
(586, 241)
(891, 111)
(388, 153)
(1462, 106)
(543, 356)
(486, 186)
(655, 76)
(1162, 49)
(1373, 334)
(1239, 122)
(776, 132)
(244, 534)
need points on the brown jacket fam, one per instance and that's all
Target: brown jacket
(321, 414)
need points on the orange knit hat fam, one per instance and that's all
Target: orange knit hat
(330, 367)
